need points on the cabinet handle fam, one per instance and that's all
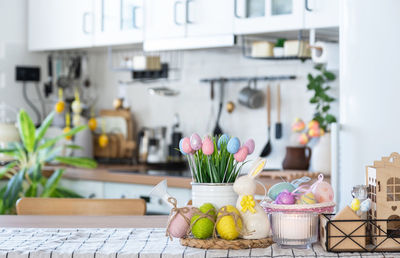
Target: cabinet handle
(307, 7)
(134, 11)
(84, 18)
(188, 21)
(175, 7)
(235, 10)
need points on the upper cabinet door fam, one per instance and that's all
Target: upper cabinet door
(261, 16)
(164, 19)
(118, 22)
(209, 17)
(321, 13)
(61, 24)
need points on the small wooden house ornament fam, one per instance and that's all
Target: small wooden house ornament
(346, 233)
(383, 181)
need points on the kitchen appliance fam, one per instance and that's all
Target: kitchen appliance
(8, 130)
(153, 146)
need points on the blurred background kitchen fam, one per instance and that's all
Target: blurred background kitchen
(149, 72)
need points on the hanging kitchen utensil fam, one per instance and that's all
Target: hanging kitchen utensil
(212, 89)
(278, 125)
(267, 149)
(251, 98)
(63, 80)
(217, 130)
(85, 71)
(48, 86)
(230, 107)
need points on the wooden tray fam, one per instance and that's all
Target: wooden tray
(217, 243)
(288, 175)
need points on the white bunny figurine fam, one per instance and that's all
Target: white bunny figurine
(255, 220)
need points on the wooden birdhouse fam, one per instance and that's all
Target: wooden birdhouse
(383, 181)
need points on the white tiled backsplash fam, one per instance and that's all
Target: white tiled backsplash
(198, 113)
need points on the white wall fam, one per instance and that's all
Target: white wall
(369, 87)
(13, 51)
(194, 106)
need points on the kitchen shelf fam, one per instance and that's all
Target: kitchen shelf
(280, 58)
(250, 78)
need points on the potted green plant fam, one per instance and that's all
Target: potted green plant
(215, 163)
(321, 99)
(30, 156)
(278, 48)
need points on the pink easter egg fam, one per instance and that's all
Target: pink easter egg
(179, 226)
(186, 145)
(208, 146)
(195, 141)
(241, 155)
(250, 145)
(323, 192)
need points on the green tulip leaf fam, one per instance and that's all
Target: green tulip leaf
(26, 130)
(77, 161)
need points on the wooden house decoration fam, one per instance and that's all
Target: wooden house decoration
(383, 181)
(344, 233)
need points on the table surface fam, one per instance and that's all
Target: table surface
(116, 236)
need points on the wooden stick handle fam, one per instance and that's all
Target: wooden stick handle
(268, 105)
(278, 89)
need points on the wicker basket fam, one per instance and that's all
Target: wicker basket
(218, 243)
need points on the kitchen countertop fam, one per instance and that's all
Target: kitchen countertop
(139, 174)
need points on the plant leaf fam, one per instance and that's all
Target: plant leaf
(325, 108)
(319, 67)
(329, 76)
(26, 130)
(65, 193)
(52, 141)
(74, 146)
(7, 168)
(32, 190)
(310, 77)
(330, 118)
(14, 188)
(41, 131)
(52, 183)
(77, 162)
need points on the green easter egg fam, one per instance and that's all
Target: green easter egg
(276, 189)
(206, 207)
(203, 228)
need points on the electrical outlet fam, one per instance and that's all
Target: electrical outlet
(27, 73)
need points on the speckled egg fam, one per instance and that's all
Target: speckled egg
(186, 145)
(195, 142)
(223, 139)
(241, 155)
(208, 146)
(233, 145)
(285, 197)
(250, 145)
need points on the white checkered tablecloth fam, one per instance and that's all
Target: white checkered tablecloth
(124, 242)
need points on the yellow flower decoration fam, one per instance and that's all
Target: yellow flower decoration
(248, 203)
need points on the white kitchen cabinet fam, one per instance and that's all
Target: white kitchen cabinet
(263, 16)
(118, 22)
(164, 19)
(86, 188)
(186, 24)
(321, 13)
(61, 24)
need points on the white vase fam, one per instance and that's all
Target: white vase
(218, 195)
(321, 157)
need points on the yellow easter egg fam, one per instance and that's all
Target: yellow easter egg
(226, 226)
(308, 198)
(66, 130)
(355, 204)
(92, 123)
(313, 124)
(59, 107)
(103, 140)
(303, 139)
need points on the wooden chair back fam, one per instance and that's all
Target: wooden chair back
(75, 206)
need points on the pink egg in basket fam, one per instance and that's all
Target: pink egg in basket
(179, 225)
(322, 190)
